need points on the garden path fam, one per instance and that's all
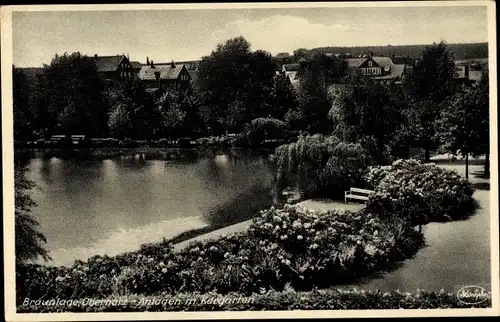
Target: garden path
(239, 227)
(456, 253)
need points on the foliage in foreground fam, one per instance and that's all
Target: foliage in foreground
(285, 247)
(419, 193)
(289, 300)
(29, 241)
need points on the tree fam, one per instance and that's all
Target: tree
(138, 106)
(325, 70)
(29, 241)
(300, 53)
(463, 126)
(173, 116)
(431, 82)
(313, 99)
(119, 121)
(285, 98)
(22, 110)
(237, 85)
(72, 97)
(363, 110)
(313, 104)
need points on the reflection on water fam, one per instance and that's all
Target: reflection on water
(88, 207)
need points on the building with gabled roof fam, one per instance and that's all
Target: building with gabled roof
(165, 76)
(113, 69)
(380, 68)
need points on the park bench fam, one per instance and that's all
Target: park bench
(358, 194)
(77, 138)
(57, 138)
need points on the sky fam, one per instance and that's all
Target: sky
(165, 35)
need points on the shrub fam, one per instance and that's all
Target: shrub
(128, 143)
(163, 142)
(261, 129)
(419, 192)
(104, 142)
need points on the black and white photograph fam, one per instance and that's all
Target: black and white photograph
(250, 160)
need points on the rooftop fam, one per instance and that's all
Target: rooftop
(165, 71)
(108, 63)
(355, 62)
(135, 64)
(291, 67)
(31, 71)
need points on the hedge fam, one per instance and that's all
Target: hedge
(330, 299)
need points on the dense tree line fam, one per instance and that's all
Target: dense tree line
(460, 51)
(239, 86)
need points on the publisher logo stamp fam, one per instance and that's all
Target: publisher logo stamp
(472, 294)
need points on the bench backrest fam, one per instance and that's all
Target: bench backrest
(362, 191)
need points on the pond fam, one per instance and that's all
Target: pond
(109, 206)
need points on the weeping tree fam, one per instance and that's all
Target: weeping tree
(321, 165)
(29, 241)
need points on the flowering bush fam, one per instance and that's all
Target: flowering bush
(420, 192)
(282, 247)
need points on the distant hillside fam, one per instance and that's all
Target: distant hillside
(461, 51)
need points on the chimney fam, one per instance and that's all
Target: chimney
(95, 56)
(172, 65)
(147, 60)
(152, 64)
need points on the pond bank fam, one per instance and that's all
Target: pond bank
(161, 153)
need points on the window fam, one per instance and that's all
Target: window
(370, 64)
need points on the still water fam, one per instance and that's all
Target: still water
(88, 207)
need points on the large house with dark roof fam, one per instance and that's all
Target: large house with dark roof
(113, 69)
(382, 69)
(165, 76)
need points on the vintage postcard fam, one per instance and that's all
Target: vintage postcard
(250, 160)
